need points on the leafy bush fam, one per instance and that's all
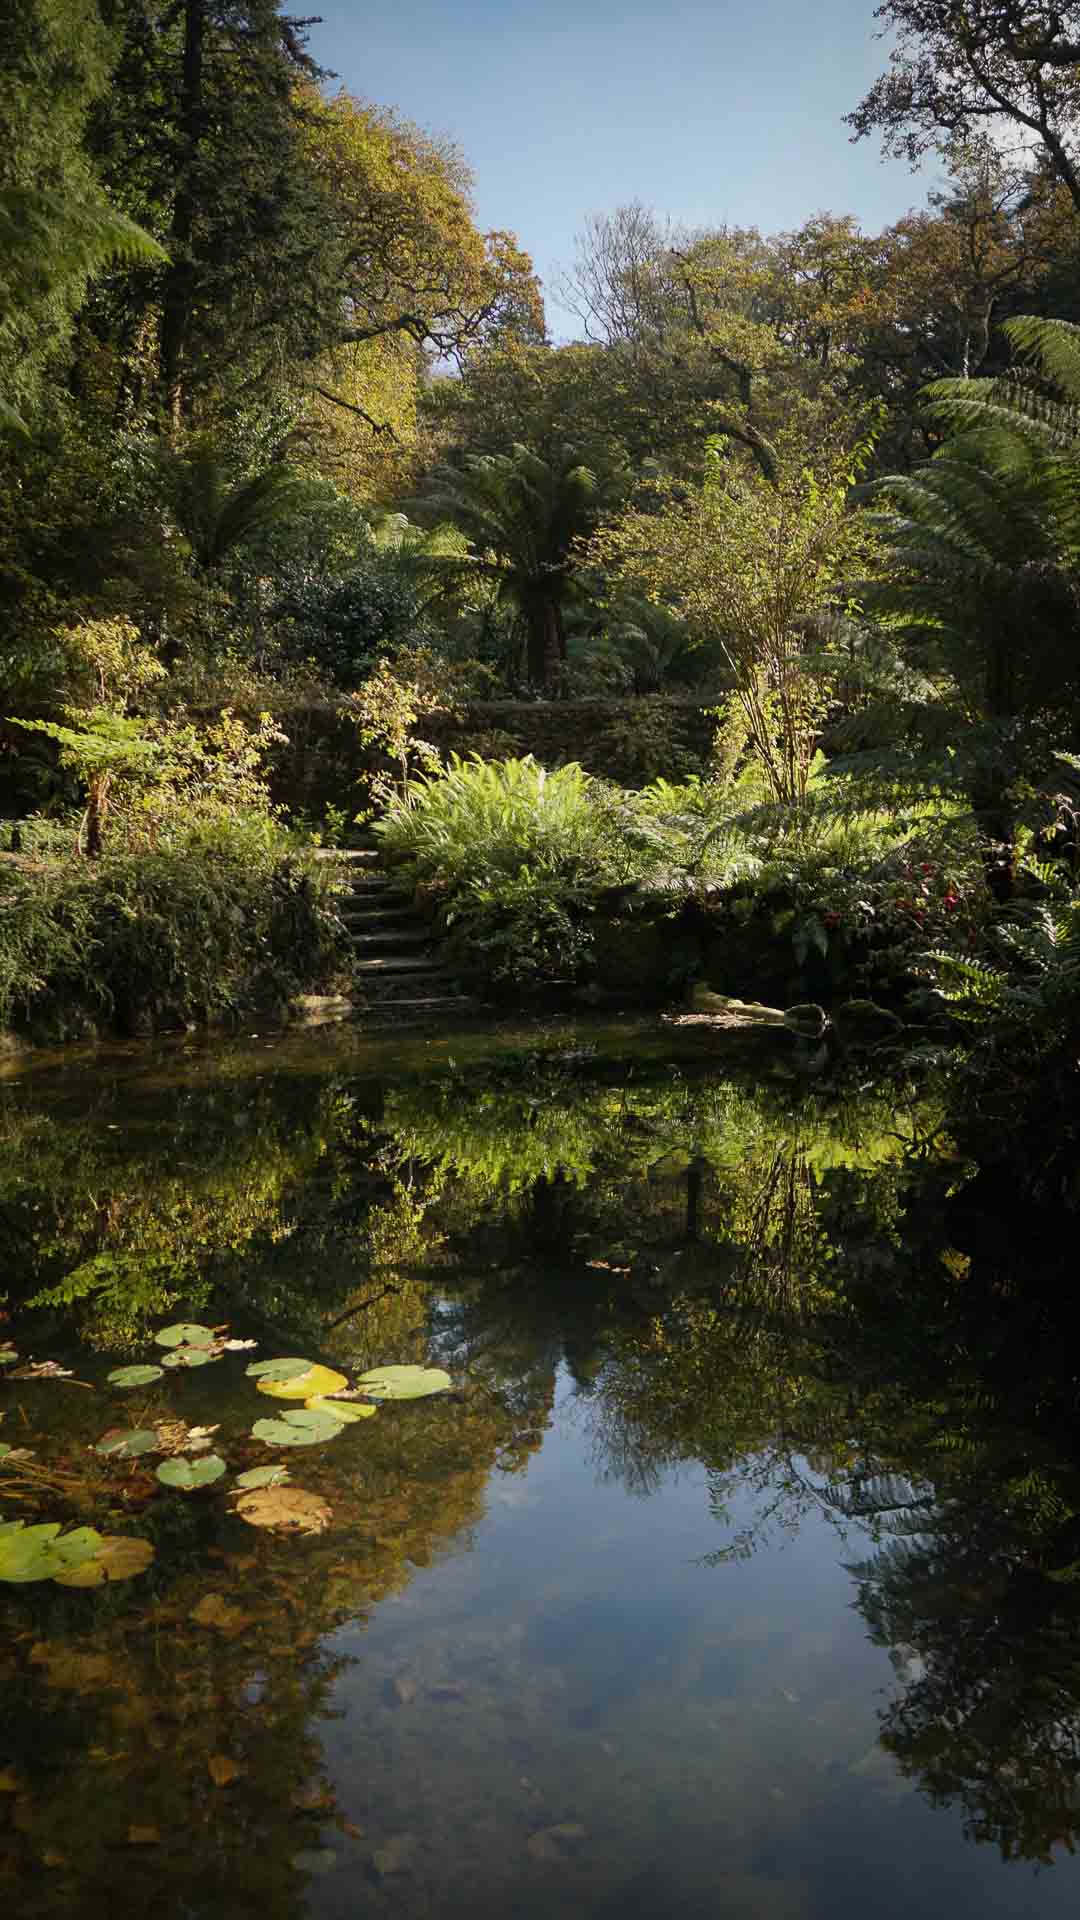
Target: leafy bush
(484, 816)
(346, 625)
(513, 850)
(194, 933)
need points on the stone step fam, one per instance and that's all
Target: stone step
(397, 939)
(370, 914)
(398, 964)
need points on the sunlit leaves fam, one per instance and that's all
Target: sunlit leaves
(304, 1386)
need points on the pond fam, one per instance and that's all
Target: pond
(716, 1553)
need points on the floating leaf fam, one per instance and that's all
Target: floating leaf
(342, 1409)
(305, 1386)
(41, 1552)
(189, 1474)
(134, 1376)
(238, 1346)
(222, 1770)
(42, 1370)
(185, 1335)
(277, 1369)
(285, 1509)
(125, 1443)
(213, 1611)
(15, 1453)
(119, 1557)
(299, 1428)
(8, 1356)
(403, 1383)
(263, 1477)
(190, 1356)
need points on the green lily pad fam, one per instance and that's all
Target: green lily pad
(403, 1383)
(303, 1427)
(41, 1552)
(126, 1443)
(346, 1410)
(277, 1369)
(185, 1335)
(189, 1357)
(189, 1474)
(262, 1477)
(8, 1356)
(133, 1376)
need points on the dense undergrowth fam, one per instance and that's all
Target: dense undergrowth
(521, 863)
(192, 934)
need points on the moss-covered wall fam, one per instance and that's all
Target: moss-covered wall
(628, 740)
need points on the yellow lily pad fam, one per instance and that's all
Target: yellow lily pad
(316, 1382)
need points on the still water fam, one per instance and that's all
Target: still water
(734, 1575)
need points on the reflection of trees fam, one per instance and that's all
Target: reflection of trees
(990, 1717)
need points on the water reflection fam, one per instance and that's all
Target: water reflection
(798, 1301)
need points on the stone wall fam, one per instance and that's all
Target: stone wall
(628, 740)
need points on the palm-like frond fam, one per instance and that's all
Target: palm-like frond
(1039, 400)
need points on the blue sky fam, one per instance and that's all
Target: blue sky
(708, 110)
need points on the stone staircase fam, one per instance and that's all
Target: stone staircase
(397, 971)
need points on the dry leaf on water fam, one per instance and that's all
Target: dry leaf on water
(213, 1611)
(222, 1770)
(119, 1557)
(288, 1509)
(143, 1837)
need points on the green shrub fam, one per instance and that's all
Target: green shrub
(513, 849)
(191, 934)
(484, 816)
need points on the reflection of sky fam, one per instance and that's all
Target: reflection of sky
(734, 1709)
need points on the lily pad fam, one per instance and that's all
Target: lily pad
(190, 1357)
(277, 1369)
(185, 1334)
(256, 1477)
(8, 1356)
(119, 1557)
(134, 1376)
(304, 1386)
(403, 1383)
(42, 1552)
(126, 1443)
(342, 1409)
(189, 1474)
(285, 1509)
(302, 1427)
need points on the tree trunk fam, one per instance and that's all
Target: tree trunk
(178, 297)
(547, 644)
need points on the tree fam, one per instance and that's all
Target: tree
(523, 516)
(56, 225)
(985, 66)
(752, 563)
(981, 573)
